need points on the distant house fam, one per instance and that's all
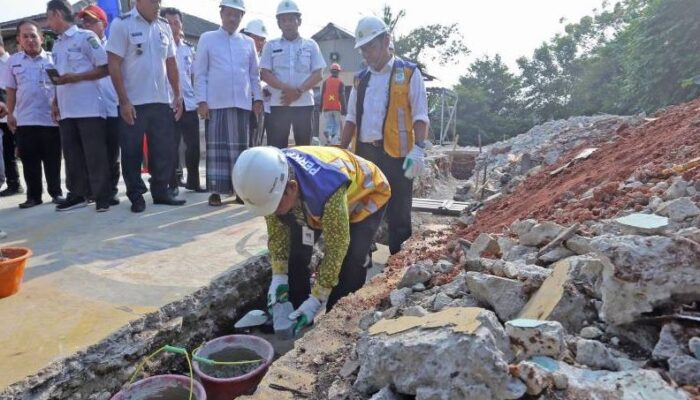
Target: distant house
(194, 26)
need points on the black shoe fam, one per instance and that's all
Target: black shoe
(238, 201)
(11, 191)
(71, 203)
(102, 206)
(114, 201)
(30, 203)
(215, 200)
(138, 205)
(169, 201)
(196, 189)
(58, 200)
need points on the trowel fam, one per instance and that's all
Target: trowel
(278, 317)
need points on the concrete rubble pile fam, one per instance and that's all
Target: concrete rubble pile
(509, 162)
(605, 309)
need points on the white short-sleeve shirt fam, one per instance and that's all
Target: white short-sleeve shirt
(185, 67)
(78, 51)
(292, 62)
(144, 46)
(3, 68)
(34, 88)
(109, 94)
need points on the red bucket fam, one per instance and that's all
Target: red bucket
(12, 269)
(171, 387)
(230, 388)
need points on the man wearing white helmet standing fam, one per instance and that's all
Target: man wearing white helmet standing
(256, 30)
(226, 79)
(292, 66)
(302, 192)
(389, 130)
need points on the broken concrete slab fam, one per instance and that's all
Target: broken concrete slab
(679, 210)
(579, 245)
(506, 296)
(441, 302)
(559, 240)
(642, 273)
(521, 228)
(647, 224)
(536, 378)
(669, 344)
(417, 273)
(456, 288)
(541, 234)
(505, 244)
(485, 244)
(448, 354)
(596, 355)
(386, 394)
(678, 189)
(558, 299)
(399, 297)
(519, 252)
(694, 346)
(591, 332)
(584, 384)
(415, 311)
(443, 267)
(531, 274)
(536, 338)
(556, 254)
(685, 370)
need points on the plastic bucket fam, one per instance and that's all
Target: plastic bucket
(230, 388)
(162, 387)
(12, 270)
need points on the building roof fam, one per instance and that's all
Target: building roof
(332, 32)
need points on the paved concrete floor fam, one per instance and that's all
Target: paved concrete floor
(93, 273)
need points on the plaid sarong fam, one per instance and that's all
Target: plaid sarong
(227, 138)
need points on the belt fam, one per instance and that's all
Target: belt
(375, 143)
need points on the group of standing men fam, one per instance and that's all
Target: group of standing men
(94, 98)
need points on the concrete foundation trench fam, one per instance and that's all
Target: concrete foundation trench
(101, 370)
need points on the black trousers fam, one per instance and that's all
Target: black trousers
(157, 122)
(113, 154)
(84, 143)
(282, 119)
(40, 146)
(187, 129)
(353, 272)
(8, 154)
(398, 211)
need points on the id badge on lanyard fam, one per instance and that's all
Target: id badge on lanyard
(307, 236)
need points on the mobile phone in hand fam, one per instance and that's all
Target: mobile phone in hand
(53, 74)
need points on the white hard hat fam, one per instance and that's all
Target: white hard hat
(237, 4)
(367, 29)
(260, 177)
(257, 28)
(287, 7)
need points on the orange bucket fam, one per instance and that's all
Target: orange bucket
(12, 269)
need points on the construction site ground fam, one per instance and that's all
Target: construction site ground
(92, 273)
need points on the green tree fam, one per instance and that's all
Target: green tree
(436, 42)
(490, 104)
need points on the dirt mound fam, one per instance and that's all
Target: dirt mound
(602, 185)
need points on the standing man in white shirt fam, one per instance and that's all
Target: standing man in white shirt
(187, 128)
(141, 52)
(78, 107)
(94, 18)
(8, 139)
(29, 94)
(226, 79)
(292, 66)
(388, 118)
(257, 31)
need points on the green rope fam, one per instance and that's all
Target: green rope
(169, 349)
(207, 361)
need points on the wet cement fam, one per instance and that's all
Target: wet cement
(232, 354)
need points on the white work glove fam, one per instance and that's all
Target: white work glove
(305, 314)
(279, 289)
(414, 164)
